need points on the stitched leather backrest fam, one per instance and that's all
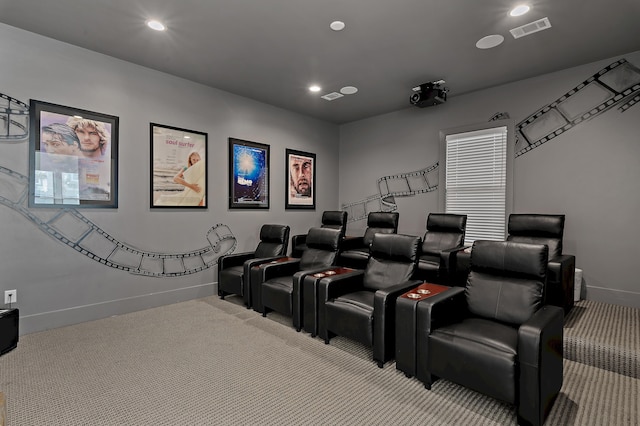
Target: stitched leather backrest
(380, 223)
(322, 248)
(538, 229)
(506, 280)
(444, 231)
(274, 240)
(392, 261)
(335, 220)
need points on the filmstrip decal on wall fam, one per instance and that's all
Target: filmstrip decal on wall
(73, 157)
(617, 84)
(248, 175)
(69, 227)
(301, 180)
(14, 119)
(179, 167)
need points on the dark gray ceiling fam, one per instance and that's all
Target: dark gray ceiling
(272, 50)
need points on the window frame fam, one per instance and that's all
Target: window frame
(510, 157)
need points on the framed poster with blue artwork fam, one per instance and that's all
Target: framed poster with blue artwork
(248, 175)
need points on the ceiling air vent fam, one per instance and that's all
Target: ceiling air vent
(331, 96)
(530, 28)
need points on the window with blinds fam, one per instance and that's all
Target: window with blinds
(476, 181)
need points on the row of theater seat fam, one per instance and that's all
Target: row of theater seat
(495, 336)
(441, 258)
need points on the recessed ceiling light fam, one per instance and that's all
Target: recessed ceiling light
(348, 90)
(489, 41)
(315, 88)
(519, 10)
(156, 25)
(337, 25)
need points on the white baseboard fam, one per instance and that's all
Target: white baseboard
(77, 314)
(613, 296)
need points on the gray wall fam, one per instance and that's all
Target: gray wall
(56, 284)
(590, 173)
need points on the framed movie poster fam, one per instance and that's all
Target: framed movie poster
(301, 180)
(179, 167)
(73, 157)
(248, 175)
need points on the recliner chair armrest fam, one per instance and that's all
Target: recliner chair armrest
(280, 269)
(561, 273)
(297, 294)
(448, 262)
(431, 313)
(332, 287)
(384, 317)
(266, 272)
(349, 243)
(337, 285)
(235, 259)
(541, 355)
(440, 309)
(246, 268)
(296, 241)
(299, 239)
(558, 264)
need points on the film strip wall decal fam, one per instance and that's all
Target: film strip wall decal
(14, 119)
(616, 84)
(390, 187)
(70, 227)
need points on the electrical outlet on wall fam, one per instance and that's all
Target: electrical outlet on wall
(10, 296)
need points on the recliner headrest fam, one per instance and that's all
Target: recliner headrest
(536, 225)
(517, 259)
(446, 222)
(334, 219)
(395, 247)
(274, 233)
(324, 238)
(383, 220)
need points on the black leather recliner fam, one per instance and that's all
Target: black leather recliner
(548, 229)
(444, 237)
(233, 269)
(272, 284)
(355, 251)
(330, 219)
(361, 306)
(495, 336)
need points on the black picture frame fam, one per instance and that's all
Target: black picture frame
(73, 157)
(249, 183)
(179, 167)
(300, 181)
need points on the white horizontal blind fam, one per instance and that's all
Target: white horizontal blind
(476, 180)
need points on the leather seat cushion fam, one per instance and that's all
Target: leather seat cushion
(277, 294)
(485, 352)
(231, 280)
(351, 316)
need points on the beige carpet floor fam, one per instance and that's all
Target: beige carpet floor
(213, 362)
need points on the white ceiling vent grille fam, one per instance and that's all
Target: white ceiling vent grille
(331, 96)
(530, 28)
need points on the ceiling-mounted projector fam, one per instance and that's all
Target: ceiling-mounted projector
(429, 94)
